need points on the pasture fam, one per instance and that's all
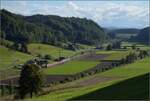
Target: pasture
(43, 49)
(135, 88)
(138, 68)
(114, 54)
(10, 58)
(138, 45)
(71, 67)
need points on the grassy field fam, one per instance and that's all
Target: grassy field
(43, 49)
(9, 58)
(105, 52)
(114, 55)
(136, 88)
(123, 73)
(129, 44)
(71, 67)
(83, 46)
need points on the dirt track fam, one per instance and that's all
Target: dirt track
(79, 84)
(95, 80)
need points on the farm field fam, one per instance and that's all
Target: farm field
(125, 35)
(71, 67)
(129, 45)
(44, 49)
(117, 75)
(10, 58)
(115, 54)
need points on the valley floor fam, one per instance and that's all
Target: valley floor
(99, 81)
(125, 76)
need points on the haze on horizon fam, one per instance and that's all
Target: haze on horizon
(117, 14)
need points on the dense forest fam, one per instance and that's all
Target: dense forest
(143, 36)
(50, 29)
(124, 30)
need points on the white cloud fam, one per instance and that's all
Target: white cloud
(73, 5)
(103, 13)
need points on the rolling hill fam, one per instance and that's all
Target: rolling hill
(44, 49)
(9, 58)
(121, 33)
(49, 29)
(121, 91)
(143, 36)
(125, 76)
(125, 31)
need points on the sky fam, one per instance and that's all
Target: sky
(111, 13)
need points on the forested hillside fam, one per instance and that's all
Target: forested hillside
(122, 33)
(125, 31)
(49, 29)
(143, 36)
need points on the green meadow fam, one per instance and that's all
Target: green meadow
(115, 54)
(43, 49)
(122, 73)
(138, 45)
(71, 67)
(10, 58)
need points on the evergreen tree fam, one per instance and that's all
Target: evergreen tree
(31, 80)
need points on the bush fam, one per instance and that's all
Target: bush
(48, 57)
(109, 47)
(39, 55)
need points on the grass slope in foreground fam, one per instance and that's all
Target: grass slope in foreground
(136, 88)
(124, 72)
(71, 67)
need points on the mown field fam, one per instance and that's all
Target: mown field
(115, 54)
(116, 76)
(71, 67)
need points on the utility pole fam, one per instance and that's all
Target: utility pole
(59, 53)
